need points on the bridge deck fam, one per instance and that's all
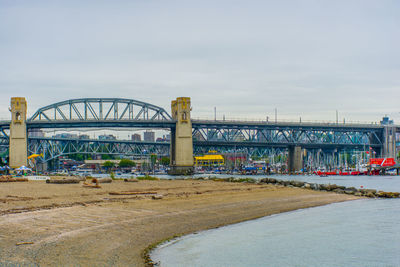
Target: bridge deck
(264, 124)
(91, 123)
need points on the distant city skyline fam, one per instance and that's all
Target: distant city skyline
(306, 59)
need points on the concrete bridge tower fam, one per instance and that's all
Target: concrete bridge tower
(389, 146)
(181, 153)
(295, 159)
(18, 134)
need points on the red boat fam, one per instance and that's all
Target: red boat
(320, 173)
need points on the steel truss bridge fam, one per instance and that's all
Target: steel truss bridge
(254, 138)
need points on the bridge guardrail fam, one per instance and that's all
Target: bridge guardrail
(289, 123)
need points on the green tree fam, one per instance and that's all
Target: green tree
(153, 159)
(106, 156)
(124, 163)
(165, 161)
(77, 157)
(108, 164)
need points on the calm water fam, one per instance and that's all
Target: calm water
(384, 183)
(356, 233)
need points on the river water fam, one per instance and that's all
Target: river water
(384, 183)
(357, 233)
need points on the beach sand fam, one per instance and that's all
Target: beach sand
(69, 225)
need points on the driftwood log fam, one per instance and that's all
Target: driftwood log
(11, 179)
(24, 243)
(133, 193)
(63, 181)
(132, 180)
(91, 185)
(21, 179)
(101, 180)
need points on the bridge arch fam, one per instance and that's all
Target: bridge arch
(100, 109)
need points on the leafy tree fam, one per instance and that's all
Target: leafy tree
(126, 163)
(165, 161)
(153, 159)
(106, 156)
(108, 164)
(77, 157)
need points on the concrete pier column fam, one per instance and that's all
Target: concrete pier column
(181, 150)
(18, 134)
(389, 146)
(295, 159)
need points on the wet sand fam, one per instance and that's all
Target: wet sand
(69, 225)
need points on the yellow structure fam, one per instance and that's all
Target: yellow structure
(209, 160)
(18, 135)
(181, 159)
(32, 159)
(33, 156)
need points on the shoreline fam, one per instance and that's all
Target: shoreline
(118, 230)
(146, 255)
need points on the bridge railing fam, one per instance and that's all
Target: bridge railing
(289, 122)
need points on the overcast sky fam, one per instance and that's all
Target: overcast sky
(305, 58)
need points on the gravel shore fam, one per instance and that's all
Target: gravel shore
(71, 225)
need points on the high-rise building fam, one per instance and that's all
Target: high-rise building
(149, 136)
(136, 137)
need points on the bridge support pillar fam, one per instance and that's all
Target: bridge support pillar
(295, 159)
(389, 146)
(18, 134)
(181, 151)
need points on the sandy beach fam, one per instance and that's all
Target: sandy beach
(69, 225)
